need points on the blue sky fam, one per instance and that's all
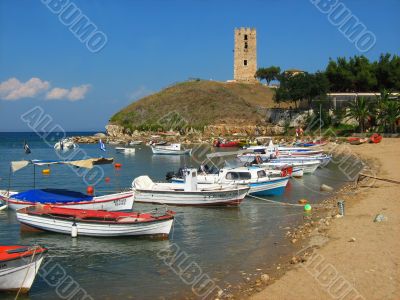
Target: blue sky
(154, 43)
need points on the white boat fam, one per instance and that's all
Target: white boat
(94, 222)
(65, 145)
(125, 150)
(260, 182)
(134, 143)
(308, 167)
(173, 149)
(70, 199)
(62, 197)
(19, 266)
(189, 193)
(324, 159)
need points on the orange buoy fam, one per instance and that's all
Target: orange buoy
(107, 179)
(46, 171)
(117, 166)
(90, 190)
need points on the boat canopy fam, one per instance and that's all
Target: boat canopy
(82, 163)
(51, 196)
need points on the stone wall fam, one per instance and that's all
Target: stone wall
(245, 58)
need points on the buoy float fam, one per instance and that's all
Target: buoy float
(307, 207)
(303, 201)
(107, 179)
(46, 171)
(90, 190)
(117, 166)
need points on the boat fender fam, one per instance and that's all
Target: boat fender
(74, 230)
(90, 190)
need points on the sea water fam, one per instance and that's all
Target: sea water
(219, 244)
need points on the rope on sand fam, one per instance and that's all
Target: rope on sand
(361, 176)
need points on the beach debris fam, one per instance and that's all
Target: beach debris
(265, 278)
(294, 241)
(307, 207)
(326, 188)
(340, 205)
(380, 218)
(303, 201)
(353, 239)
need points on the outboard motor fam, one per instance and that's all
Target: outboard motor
(190, 176)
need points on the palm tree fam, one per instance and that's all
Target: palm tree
(387, 111)
(360, 111)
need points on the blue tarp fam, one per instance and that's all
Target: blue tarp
(52, 196)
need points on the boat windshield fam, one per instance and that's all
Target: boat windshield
(238, 176)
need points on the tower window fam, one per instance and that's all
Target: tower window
(245, 62)
(245, 37)
(246, 45)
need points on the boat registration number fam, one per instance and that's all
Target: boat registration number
(119, 202)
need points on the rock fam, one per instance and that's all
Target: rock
(294, 241)
(380, 218)
(326, 188)
(100, 135)
(294, 260)
(265, 278)
(353, 239)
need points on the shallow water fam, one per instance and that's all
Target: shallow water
(214, 242)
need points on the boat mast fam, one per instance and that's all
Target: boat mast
(320, 120)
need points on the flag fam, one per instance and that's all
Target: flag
(102, 146)
(26, 148)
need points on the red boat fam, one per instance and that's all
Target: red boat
(357, 140)
(375, 138)
(19, 266)
(225, 144)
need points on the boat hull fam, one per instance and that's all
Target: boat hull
(85, 228)
(200, 198)
(19, 273)
(170, 152)
(113, 202)
(274, 187)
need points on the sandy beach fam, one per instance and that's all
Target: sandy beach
(361, 258)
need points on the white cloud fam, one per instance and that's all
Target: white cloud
(12, 89)
(74, 94)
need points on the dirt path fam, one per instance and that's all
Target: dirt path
(362, 258)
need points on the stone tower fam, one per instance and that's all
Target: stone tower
(245, 58)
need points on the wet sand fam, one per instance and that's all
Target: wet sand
(353, 257)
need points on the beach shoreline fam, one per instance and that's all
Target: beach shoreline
(340, 258)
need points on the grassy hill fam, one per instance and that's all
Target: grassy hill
(197, 104)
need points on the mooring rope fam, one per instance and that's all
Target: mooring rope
(27, 271)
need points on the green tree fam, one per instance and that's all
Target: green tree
(387, 111)
(268, 74)
(360, 111)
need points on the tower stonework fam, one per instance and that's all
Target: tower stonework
(245, 58)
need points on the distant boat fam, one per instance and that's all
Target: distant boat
(225, 144)
(19, 266)
(96, 222)
(65, 145)
(173, 149)
(134, 143)
(125, 150)
(189, 193)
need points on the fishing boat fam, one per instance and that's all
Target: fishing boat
(324, 159)
(173, 149)
(261, 182)
(67, 198)
(63, 197)
(125, 150)
(134, 143)
(308, 167)
(19, 266)
(94, 222)
(356, 140)
(189, 193)
(225, 144)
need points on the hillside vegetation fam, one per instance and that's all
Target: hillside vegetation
(197, 104)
